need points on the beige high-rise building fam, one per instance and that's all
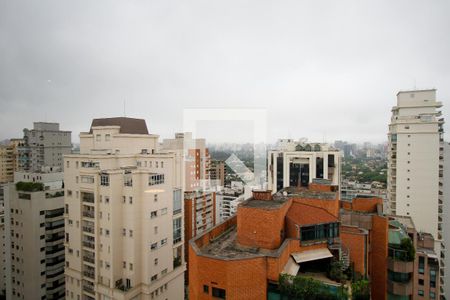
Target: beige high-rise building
(415, 163)
(196, 159)
(124, 215)
(9, 160)
(2, 254)
(34, 236)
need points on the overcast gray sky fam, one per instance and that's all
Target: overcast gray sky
(322, 69)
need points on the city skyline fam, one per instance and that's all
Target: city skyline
(317, 73)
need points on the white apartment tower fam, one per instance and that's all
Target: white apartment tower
(298, 163)
(124, 215)
(34, 236)
(415, 162)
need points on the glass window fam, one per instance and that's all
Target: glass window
(104, 179)
(421, 264)
(219, 293)
(177, 230)
(155, 179)
(176, 201)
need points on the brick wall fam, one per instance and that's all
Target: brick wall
(378, 257)
(259, 227)
(241, 279)
(356, 241)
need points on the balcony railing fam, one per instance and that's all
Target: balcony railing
(88, 214)
(88, 229)
(90, 245)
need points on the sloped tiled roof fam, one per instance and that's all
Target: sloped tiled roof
(127, 125)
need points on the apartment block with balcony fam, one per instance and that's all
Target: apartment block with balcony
(296, 164)
(415, 163)
(34, 236)
(124, 215)
(218, 173)
(295, 231)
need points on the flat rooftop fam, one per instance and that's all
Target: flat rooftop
(305, 193)
(225, 246)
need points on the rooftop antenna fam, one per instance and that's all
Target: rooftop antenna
(415, 88)
(124, 112)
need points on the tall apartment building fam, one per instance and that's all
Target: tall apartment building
(296, 164)
(34, 236)
(415, 163)
(2, 254)
(43, 146)
(217, 172)
(124, 215)
(196, 158)
(9, 160)
(446, 214)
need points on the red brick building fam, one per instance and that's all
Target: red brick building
(295, 231)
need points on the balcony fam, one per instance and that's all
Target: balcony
(401, 289)
(89, 244)
(89, 274)
(88, 214)
(87, 197)
(400, 266)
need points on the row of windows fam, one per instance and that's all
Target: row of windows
(319, 232)
(154, 246)
(158, 291)
(98, 137)
(155, 179)
(150, 164)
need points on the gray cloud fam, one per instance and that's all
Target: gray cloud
(321, 68)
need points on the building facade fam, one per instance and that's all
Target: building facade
(2, 254)
(43, 146)
(196, 159)
(217, 172)
(124, 215)
(415, 163)
(9, 160)
(34, 236)
(242, 257)
(296, 164)
(228, 200)
(446, 208)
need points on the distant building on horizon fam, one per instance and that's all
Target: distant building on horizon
(296, 164)
(43, 146)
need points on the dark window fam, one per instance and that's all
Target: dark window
(219, 293)
(432, 278)
(399, 277)
(421, 264)
(205, 289)
(421, 282)
(319, 232)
